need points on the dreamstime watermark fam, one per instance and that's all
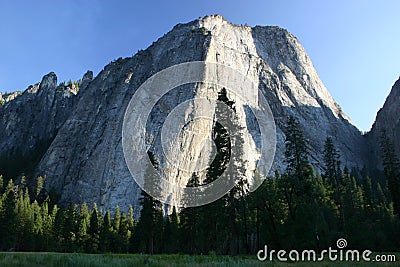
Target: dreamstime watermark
(331, 254)
(186, 143)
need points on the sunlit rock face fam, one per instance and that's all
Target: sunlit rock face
(85, 161)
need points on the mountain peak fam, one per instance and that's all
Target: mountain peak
(85, 160)
(49, 81)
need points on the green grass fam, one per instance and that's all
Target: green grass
(89, 260)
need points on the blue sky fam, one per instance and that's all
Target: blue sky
(354, 45)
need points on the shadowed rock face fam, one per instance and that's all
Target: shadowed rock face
(30, 120)
(387, 119)
(85, 160)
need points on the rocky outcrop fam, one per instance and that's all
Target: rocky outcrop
(387, 120)
(7, 97)
(30, 120)
(85, 160)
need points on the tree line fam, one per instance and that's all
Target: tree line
(298, 208)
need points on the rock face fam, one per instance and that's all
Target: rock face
(85, 160)
(30, 120)
(388, 120)
(7, 97)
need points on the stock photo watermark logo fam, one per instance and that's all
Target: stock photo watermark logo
(189, 124)
(331, 254)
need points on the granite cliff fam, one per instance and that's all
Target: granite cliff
(387, 120)
(81, 155)
(30, 120)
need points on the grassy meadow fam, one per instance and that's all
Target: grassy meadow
(124, 260)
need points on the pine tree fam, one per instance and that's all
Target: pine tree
(115, 237)
(59, 229)
(82, 228)
(39, 186)
(132, 225)
(236, 203)
(166, 234)
(391, 169)
(368, 195)
(131, 220)
(298, 170)
(105, 233)
(93, 231)
(48, 224)
(229, 144)
(116, 219)
(189, 223)
(38, 220)
(300, 191)
(332, 162)
(8, 218)
(149, 219)
(212, 215)
(269, 212)
(171, 238)
(221, 138)
(24, 222)
(68, 229)
(296, 153)
(146, 227)
(380, 195)
(333, 176)
(124, 233)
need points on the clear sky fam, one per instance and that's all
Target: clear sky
(354, 45)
